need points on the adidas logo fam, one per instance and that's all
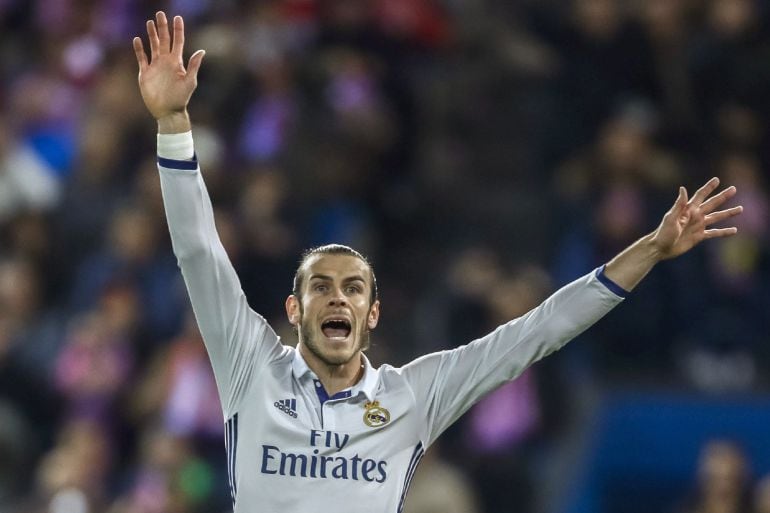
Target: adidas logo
(288, 406)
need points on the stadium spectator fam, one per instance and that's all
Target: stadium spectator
(723, 480)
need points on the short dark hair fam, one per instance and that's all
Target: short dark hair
(332, 249)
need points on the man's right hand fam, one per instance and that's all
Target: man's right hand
(165, 84)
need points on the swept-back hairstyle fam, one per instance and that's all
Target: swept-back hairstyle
(332, 249)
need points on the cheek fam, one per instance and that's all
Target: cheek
(299, 313)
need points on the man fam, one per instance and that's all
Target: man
(317, 428)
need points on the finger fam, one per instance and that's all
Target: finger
(705, 191)
(152, 35)
(720, 232)
(194, 63)
(163, 35)
(679, 203)
(721, 215)
(141, 56)
(178, 44)
(680, 211)
(714, 202)
(681, 200)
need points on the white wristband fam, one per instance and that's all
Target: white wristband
(176, 146)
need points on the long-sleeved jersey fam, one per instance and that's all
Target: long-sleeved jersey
(291, 447)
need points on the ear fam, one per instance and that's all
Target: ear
(292, 310)
(374, 315)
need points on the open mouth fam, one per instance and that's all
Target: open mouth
(338, 329)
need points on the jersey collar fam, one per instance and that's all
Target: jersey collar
(366, 385)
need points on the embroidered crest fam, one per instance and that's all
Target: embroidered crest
(375, 415)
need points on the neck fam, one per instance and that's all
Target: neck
(334, 378)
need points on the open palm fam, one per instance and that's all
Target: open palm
(165, 84)
(687, 223)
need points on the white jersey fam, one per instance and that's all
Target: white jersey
(289, 446)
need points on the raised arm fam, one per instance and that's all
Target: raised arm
(684, 226)
(447, 383)
(238, 340)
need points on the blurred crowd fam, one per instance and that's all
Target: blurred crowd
(481, 152)
(723, 482)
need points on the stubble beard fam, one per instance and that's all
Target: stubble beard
(306, 337)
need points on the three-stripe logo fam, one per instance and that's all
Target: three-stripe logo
(288, 406)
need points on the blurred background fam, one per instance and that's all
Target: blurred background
(482, 153)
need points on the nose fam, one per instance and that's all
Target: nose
(337, 299)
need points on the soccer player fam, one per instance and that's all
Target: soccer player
(317, 428)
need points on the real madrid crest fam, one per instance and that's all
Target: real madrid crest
(375, 415)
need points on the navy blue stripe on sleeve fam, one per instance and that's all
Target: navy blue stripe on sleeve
(416, 457)
(614, 287)
(188, 165)
(231, 448)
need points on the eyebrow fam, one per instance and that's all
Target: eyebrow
(325, 277)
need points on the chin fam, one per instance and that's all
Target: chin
(336, 358)
(341, 355)
(326, 354)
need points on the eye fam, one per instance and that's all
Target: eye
(353, 289)
(320, 287)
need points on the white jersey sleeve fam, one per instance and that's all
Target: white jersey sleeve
(238, 340)
(447, 383)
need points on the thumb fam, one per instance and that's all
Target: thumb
(680, 205)
(681, 199)
(194, 64)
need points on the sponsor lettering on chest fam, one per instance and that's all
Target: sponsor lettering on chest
(312, 463)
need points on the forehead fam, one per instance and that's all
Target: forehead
(336, 266)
